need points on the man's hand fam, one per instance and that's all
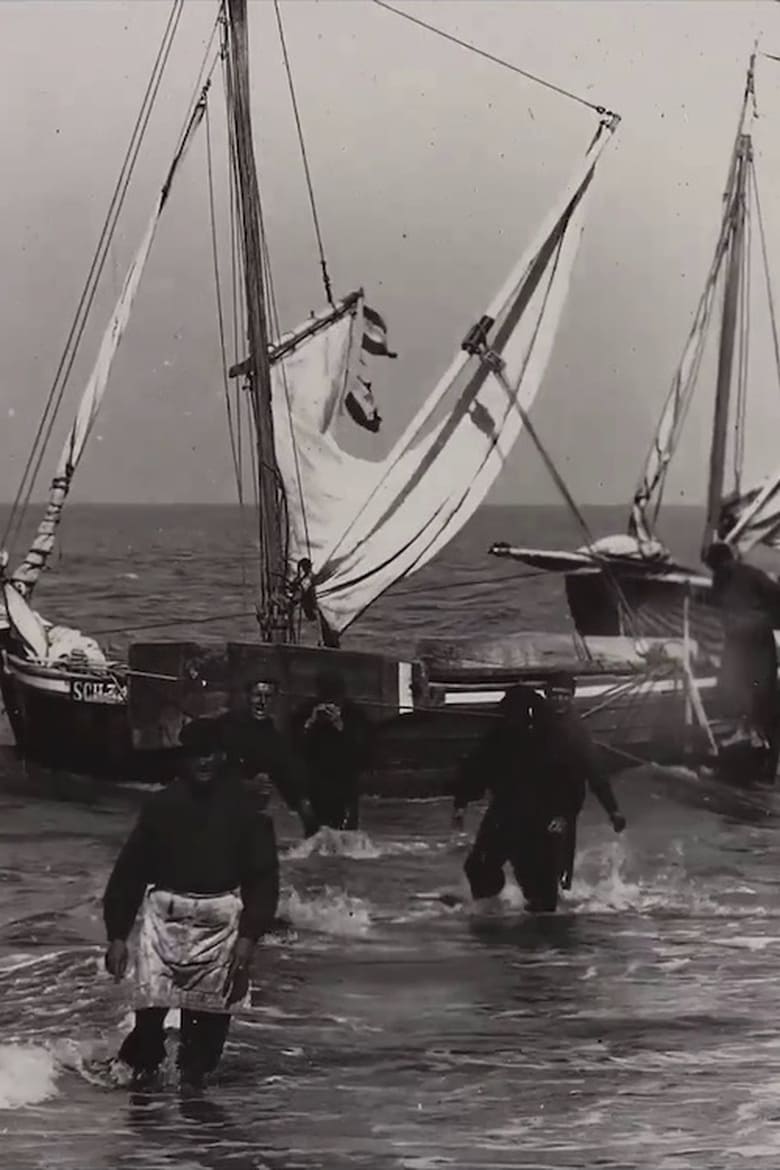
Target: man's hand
(237, 981)
(116, 959)
(618, 822)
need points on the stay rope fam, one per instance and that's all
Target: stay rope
(601, 110)
(86, 300)
(304, 159)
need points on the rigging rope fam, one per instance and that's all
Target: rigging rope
(560, 483)
(701, 323)
(767, 272)
(237, 303)
(744, 345)
(218, 293)
(75, 334)
(276, 322)
(602, 110)
(265, 585)
(304, 158)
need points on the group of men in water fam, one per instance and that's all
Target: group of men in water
(201, 871)
(201, 866)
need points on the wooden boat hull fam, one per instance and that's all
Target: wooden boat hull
(427, 715)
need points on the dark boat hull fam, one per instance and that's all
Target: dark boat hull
(114, 728)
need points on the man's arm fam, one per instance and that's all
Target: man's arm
(289, 778)
(132, 872)
(594, 775)
(259, 876)
(475, 772)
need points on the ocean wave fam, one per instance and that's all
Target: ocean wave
(28, 1075)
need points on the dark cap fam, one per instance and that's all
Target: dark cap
(203, 737)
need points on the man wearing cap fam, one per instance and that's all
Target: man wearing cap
(334, 737)
(508, 763)
(536, 763)
(571, 761)
(260, 756)
(202, 868)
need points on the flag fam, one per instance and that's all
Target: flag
(359, 401)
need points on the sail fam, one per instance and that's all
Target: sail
(25, 577)
(311, 381)
(675, 410)
(753, 517)
(405, 509)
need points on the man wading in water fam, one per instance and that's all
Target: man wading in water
(334, 737)
(516, 826)
(749, 603)
(259, 755)
(571, 762)
(202, 867)
(536, 763)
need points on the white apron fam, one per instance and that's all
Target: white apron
(184, 947)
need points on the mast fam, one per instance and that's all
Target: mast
(736, 214)
(272, 621)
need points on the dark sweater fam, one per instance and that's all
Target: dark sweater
(541, 772)
(334, 756)
(255, 746)
(573, 760)
(197, 841)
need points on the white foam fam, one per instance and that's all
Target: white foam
(355, 844)
(28, 1075)
(328, 842)
(329, 912)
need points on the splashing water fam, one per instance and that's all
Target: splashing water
(356, 845)
(331, 912)
(327, 842)
(28, 1075)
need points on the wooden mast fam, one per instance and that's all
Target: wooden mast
(736, 212)
(271, 613)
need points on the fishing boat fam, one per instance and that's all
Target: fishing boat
(337, 530)
(629, 583)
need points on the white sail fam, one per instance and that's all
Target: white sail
(25, 577)
(309, 386)
(407, 508)
(667, 434)
(753, 517)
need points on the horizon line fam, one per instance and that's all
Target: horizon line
(235, 504)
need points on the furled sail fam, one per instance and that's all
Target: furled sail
(667, 435)
(385, 520)
(25, 577)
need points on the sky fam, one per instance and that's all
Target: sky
(432, 169)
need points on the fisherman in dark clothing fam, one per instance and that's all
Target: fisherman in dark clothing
(570, 757)
(260, 756)
(519, 825)
(335, 738)
(536, 763)
(749, 603)
(202, 868)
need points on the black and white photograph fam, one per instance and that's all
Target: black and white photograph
(389, 584)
